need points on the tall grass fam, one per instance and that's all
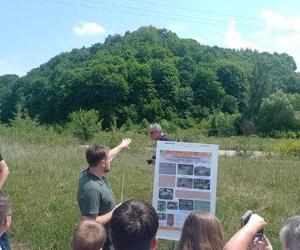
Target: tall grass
(44, 172)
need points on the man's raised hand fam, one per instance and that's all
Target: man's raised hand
(125, 143)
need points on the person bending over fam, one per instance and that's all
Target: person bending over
(134, 226)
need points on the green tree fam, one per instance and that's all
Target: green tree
(208, 92)
(275, 113)
(166, 79)
(229, 104)
(84, 124)
(223, 124)
(234, 82)
(6, 84)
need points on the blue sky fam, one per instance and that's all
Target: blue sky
(33, 31)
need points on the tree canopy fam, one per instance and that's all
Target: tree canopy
(149, 74)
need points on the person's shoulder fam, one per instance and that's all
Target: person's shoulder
(88, 181)
(166, 138)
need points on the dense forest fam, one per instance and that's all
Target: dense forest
(152, 74)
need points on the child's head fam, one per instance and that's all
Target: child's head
(88, 235)
(202, 231)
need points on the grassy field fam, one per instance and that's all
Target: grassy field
(44, 174)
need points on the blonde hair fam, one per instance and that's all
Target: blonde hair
(201, 231)
(88, 235)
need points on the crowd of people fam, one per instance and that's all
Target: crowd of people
(133, 224)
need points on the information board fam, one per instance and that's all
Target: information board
(185, 180)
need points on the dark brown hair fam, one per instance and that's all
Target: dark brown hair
(95, 153)
(133, 225)
(201, 231)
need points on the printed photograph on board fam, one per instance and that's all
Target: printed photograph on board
(166, 193)
(201, 184)
(172, 205)
(202, 206)
(186, 204)
(201, 171)
(161, 206)
(185, 169)
(170, 220)
(185, 182)
(167, 168)
(162, 216)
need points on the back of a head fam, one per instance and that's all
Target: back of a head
(201, 231)
(290, 234)
(88, 235)
(134, 225)
(5, 207)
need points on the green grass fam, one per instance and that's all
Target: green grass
(43, 182)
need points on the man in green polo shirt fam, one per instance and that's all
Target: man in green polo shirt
(95, 197)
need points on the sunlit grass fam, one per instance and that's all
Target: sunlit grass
(43, 184)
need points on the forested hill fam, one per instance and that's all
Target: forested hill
(152, 74)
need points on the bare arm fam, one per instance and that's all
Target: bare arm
(113, 152)
(102, 219)
(244, 236)
(3, 172)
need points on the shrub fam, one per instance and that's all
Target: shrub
(289, 147)
(223, 124)
(22, 121)
(286, 135)
(84, 124)
(275, 113)
(247, 127)
(229, 104)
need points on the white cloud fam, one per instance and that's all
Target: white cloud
(233, 39)
(11, 68)
(279, 33)
(277, 22)
(88, 29)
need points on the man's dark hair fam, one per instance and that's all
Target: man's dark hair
(133, 225)
(95, 153)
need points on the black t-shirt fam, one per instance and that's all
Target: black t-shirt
(165, 138)
(1, 158)
(162, 138)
